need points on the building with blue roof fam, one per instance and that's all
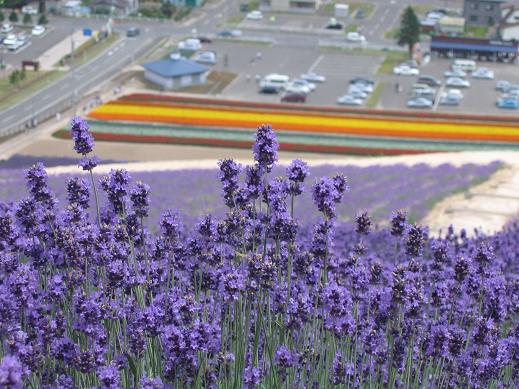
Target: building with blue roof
(172, 74)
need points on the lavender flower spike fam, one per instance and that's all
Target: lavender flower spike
(83, 140)
(265, 147)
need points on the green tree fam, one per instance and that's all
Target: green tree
(23, 74)
(42, 20)
(2, 17)
(13, 16)
(42, 7)
(14, 77)
(409, 31)
(27, 19)
(167, 9)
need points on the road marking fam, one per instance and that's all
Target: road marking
(316, 63)
(439, 95)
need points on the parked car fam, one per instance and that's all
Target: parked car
(293, 97)
(207, 57)
(360, 14)
(364, 80)
(268, 89)
(447, 99)
(503, 85)
(355, 37)
(457, 82)
(305, 83)
(368, 88)
(10, 40)
(404, 70)
(412, 63)
(313, 77)
(297, 88)
(6, 27)
(358, 94)
(507, 103)
(254, 15)
(19, 42)
(428, 93)
(455, 92)
(229, 33)
(38, 30)
(236, 33)
(205, 39)
(190, 44)
(132, 32)
(419, 102)
(349, 100)
(333, 24)
(429, 80)
(27, 9)
(483, 73)
(455, 73)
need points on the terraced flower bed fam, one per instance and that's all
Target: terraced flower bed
(222, 123)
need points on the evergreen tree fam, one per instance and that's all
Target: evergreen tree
(14, 77)
(409, 32)
(13, 16)
(42, 20)
(27, 19)
(2, 16)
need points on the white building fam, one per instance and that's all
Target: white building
(290, 5)
(509, 26)
(175, 73)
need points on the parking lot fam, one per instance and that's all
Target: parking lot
(338, 68)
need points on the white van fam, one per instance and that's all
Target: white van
(467, 65)
(277, 81)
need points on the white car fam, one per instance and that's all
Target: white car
(349, 100)
(483, 73)
(368, 88)
(503, 85)
(457, 82)
(420, 102)
(6, 27)
(302, 82)
(455, 73)
(357, 93)
(10, 40)
(313, 77)
(38, 30)
(454, 92)
(208, 57)
(254, 15)
(355, 37)
(190, 44)
(296, 88)
(27, 9)
(404, 70)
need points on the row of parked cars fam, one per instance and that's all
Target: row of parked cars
(509, 95)
(294, 90)
(13, 41)
(358, 91)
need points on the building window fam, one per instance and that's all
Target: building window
(489, 7)
(490, 21)
(473, 18)
(474, 6)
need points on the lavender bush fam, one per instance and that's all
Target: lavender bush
(251, 299)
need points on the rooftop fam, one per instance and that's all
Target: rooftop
(175, 68)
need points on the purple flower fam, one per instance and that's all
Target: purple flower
(140, 197)
(89, 163)
(116, 187)
(229, 174)
(285, 358)
(363, 223)
(297, 172)
(10, 373)
(265, 147)
(83, 140)
(109, 377)
(415, 240)
(78, 192)
(151, 383)
(251, 376)
(398, 223)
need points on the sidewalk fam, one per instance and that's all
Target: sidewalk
(51, 57)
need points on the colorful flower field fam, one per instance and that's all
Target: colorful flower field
(172, 119)
(92, 297)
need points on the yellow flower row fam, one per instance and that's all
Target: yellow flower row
(304, 122)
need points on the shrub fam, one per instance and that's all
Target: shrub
(42, 20)
(27, 19)
(2, 16)
(13, 16)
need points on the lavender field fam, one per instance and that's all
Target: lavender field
(257, 295)
(379, 189)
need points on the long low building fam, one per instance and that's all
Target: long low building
(175, 73)
(481, 49)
